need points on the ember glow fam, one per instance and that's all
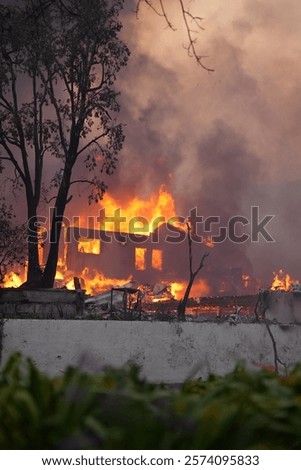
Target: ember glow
(140, 263)
(246, 279)
(157, 259)
(86, 245)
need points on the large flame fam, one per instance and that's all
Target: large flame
(283, 281)
(142, 215)
(14, 279)
(200, 288)
(92, 281)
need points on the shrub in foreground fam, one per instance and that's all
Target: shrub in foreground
(118, 410)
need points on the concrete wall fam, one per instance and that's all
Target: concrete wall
(167, 352)
(284, 307)
(42, 303)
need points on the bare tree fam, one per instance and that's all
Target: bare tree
(58, 65)
(192, 275)
(193, 25)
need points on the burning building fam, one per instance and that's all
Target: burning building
(108, 257)
(143, 240)
(121, 255)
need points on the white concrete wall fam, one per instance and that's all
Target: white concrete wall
(284, 307)
(167, 352)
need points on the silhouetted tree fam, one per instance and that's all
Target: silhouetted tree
(192, 275)
(12, 240)
(58, 64)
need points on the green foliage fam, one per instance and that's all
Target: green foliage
(118, 410)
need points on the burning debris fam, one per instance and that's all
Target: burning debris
(284, 282)
(134, 301)
(128, 298)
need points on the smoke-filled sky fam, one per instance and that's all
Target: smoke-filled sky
(221, 141)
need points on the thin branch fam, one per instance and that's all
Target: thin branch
(36, 140)
(93, 141)
(191, 47)
(13, 160)
(4, 106)
(274, 344)
(11, 141)
(45, 149)
(48, 201)
(149, 3)
(166, 17)
(201, 263)
(263, 302)
(91, 182)
(196, 19)
(7, 103)
(193, 273)
(56, 107)
(161, 13)
(90, 66)
(186, 15)
(102, 81)
(20, 129)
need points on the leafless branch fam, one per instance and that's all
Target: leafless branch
(192, 275)
(277, 359)
(192, 41)
(262, 305)
(149, 3)
(162, 12)
(188, 18)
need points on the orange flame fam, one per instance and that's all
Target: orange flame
(283, 281)
(88, 245)
(177, 289)
(145, 216)
(140, 262)
(246, 280)
(14, 279)
(141, 214)
(92, 281)
(200, 288)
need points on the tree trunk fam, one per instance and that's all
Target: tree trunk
(34, 273)
(183, 302)
(56, 229)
